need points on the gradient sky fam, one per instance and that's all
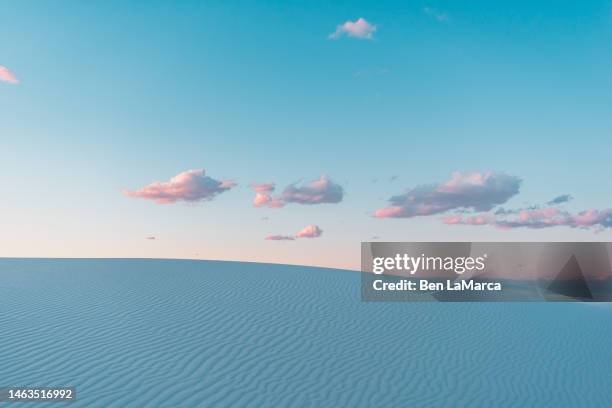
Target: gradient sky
(115, 96)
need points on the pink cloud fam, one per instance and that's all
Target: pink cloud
(279, 238)
(471, 220)
(481, 192)
(263, 196)
(359, 28)
(465, 190)
(190, 186)
(319, 191)
(263, 187)
(389, 212)
(538, 218)
(478, 220)
(461, 180)
(548, 213)
(262, 200)
(452, 219)
(7, 76)
(593, 217)
(309, 231)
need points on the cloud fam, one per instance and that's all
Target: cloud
(465, 190)
(560, 199)
(279, 238)
(151, 238)
(479, 193)
(309, 231)
(436, 14)
(359, 28)
(503, 211)
(593, 217)
(472, 220)
(7, 76)
(319, 191)
(263, 187)
(266, 200)
(539, 218)
(263, 196)
(189, 186)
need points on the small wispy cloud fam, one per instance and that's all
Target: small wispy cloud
(7, 76)
(279, 238)
(321, 191)
(359, 28)
(438, 15)
(189, 186)
(309, 231)
(471, 220)
(560, 199)
(547, 217)
(263, 187)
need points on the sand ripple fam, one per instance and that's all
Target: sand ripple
(157, 333)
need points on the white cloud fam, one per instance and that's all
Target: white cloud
(359, 28)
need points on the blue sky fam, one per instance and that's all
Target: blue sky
(115, 96)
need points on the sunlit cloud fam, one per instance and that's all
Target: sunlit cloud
(7, 76)
(474, 191)
(263, 195)
(263, 187)
(321, 191)
(309, 231)
(318, 191)
(188, 186)
(538, 218)
(359, 28)
(470, 220)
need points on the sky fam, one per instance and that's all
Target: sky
(289, 132)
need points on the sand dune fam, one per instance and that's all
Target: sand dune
(162, 333)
